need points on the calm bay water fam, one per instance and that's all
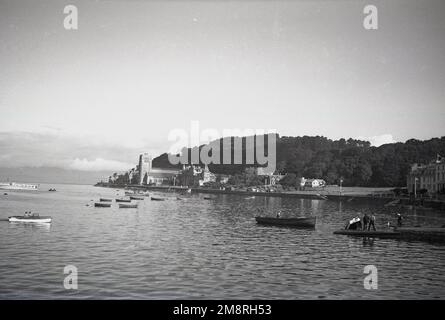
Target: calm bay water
(206, 249)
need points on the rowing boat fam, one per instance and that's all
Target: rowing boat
(102, 205)
(288, 222)
(105, 200)
(123, 200)
(157, 199)
(30, 219)
(127, 206)
(136, 198)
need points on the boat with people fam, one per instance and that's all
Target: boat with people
(300, 222)
(29, 217)
(157, 199)
(123, 200)
(102, 205)
(127, 206)
(52, 189)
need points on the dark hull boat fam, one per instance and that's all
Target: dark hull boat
(104, 200)
(288, 222)
(102, 205)
(366, 233)
(157, 199)
(136, 198)
(123, 200)
(127, 206)
(209, 198)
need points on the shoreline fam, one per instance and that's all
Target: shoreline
(313, 195)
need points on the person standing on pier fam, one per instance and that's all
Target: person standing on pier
(365, 221)
(399, 220)
(372, 222)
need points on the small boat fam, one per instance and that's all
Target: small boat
(127, 206)
(31, 219)
(123, 200)
(366, 233)
(105, 200)
(127, 193)
(136, 198)
(52, 189)
(209, 198)
(157, 199)
(102, 205)
(247, 198)
(178, 198)
(288, 222)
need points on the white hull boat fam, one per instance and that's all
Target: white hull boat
(31, 219)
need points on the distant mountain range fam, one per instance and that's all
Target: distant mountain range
(52, 175)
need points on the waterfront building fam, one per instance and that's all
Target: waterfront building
(430, 177)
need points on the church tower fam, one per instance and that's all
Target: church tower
(144, 166)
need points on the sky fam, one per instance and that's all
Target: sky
(94, 98)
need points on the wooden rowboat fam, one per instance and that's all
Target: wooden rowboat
(288, 222)
(102, 205)
(127, 206)
(105, 200)
(136, 198)
(157, 199)
(123, 200)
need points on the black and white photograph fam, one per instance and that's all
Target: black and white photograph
(244, 150)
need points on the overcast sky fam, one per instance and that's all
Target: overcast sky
(96, 97)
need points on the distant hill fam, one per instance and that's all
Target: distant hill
(51, 175)
(355, 161)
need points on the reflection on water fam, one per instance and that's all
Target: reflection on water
(207, 249)
(30, 226)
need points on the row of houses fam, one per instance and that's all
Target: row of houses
(194, 175)
(189, 175)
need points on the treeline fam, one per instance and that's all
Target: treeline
(356, 162)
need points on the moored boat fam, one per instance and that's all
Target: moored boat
(157, 199)
(288, 222)
(136, 198)
(127, 206)
(102, 205)
(18, 186)
(123, 200)
(30, 219)
(105, 200)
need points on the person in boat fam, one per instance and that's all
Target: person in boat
(365, 221)
(372, 222)
(354, 224)
(399, 220)
(279, 214)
